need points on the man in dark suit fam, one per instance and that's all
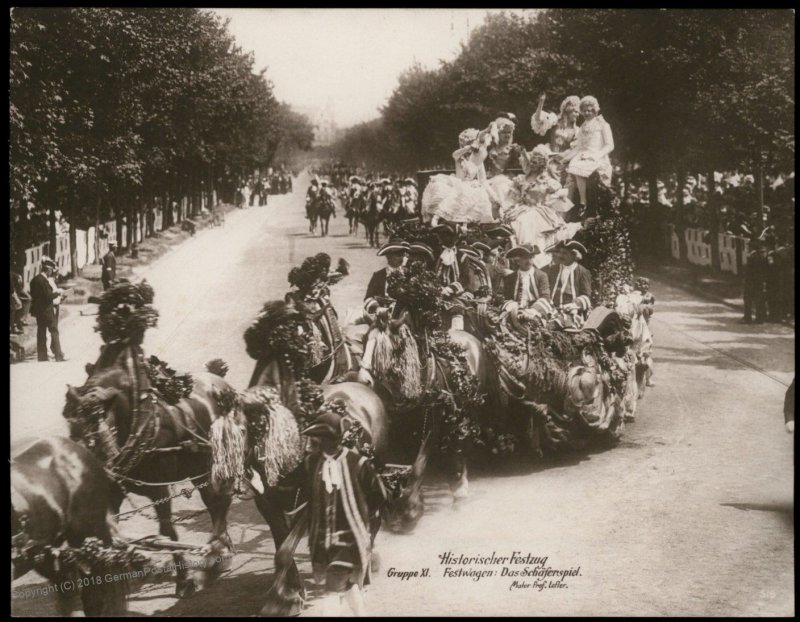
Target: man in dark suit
(395, 252)
(45, 304)
(109, 267)
(571, 284)
(527, 283)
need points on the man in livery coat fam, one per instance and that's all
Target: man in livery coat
(345, 497)
(395, 251)
(528, 286)
(570, 282)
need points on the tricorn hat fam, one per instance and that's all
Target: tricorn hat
(420, 248)
(395, 245)
(482, 246)
(469, 252)
(327, 424)
(576, 247)
(523, 250)
(447, 235)
(498, 230)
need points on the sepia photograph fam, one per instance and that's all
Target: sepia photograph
(402, 312)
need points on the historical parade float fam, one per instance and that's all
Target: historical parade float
(444, 365)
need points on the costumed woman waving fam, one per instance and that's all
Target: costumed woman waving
(536, 206)
(562, 130)
(465, 196)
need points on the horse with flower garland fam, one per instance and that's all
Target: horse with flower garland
(300, 353)
(151, 427)
(62, 528)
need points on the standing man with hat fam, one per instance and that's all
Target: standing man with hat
(571, 284)
(345, 499)
(109, 267)
(395, 252)
(45, 304)
(527, 283)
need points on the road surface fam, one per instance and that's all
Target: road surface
(692, 514)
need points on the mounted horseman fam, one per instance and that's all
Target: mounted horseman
(325, 206)
(311, 204)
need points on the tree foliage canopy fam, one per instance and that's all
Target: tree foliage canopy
(109, 99)
(682, 88)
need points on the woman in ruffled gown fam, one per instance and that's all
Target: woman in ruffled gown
(537, 203)
(562, 130)
(500, 157)
(590, 151)
(465, 196)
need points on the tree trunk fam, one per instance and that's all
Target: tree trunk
(118, 212)
(96, 229)
(712, 205)
(52, 237)
(73, 238)
(681, 215)
(656, 213)
(129, 223)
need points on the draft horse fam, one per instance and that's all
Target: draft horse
(148, 444)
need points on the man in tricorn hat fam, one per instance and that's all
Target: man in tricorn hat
(571, 283)
(395, 252)
(527, 283)
(345, 497)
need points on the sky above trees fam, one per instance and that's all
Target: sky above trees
(348, 58)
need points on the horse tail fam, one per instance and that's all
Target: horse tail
(218, 367)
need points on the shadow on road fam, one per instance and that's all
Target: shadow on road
(784, 511)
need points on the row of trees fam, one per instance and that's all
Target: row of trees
(115, 110)
(684, 90)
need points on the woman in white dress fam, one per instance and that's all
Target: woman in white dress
(466, 196)
(562, 129)
(537, 205)
(590, 151)
(501, 153)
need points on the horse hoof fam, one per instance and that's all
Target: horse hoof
(185, 588)
(279, 607)
(462, 492)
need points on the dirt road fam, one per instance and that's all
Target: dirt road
(692, 514)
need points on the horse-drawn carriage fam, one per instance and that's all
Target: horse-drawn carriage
(409, 386)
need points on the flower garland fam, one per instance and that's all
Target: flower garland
(91, 555)
(279, 332)
(355, 437)
(459, 407)
(309, 402)
(310, 272)
(126, 312)
(607, 240)
(418, 290)
(394, 479)
(169, 384)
